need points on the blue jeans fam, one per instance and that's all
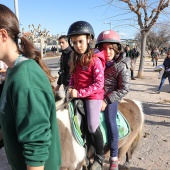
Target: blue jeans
(164, 76)
(111, 113)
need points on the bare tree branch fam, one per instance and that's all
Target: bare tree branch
(136, 11)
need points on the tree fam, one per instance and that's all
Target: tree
(147, 15)
(158, 36)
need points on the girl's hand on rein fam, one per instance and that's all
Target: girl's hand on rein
(69, 90)
(73, 93)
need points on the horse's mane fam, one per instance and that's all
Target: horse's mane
(60, 98)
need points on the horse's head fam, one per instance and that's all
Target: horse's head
(60, 98)
(69, 145)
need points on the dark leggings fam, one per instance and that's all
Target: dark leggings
(111, 113)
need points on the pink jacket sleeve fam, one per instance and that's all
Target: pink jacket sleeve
(98, 75)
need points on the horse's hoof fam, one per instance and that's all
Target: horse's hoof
(125, 166)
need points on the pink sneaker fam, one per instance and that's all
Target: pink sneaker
(113, 165)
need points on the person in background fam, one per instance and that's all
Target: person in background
(166, 73)
(155, 57)
(133, 56)
(87, 82)
(161, 52)
(64, 75)
(3, 68)
(27, 105)
(115, 86)
(127, 50)
(152, 52)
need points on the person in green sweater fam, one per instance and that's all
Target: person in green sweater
(27, 105)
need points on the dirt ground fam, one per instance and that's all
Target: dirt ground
(154, 150)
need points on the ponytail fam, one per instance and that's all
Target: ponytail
(28, 49)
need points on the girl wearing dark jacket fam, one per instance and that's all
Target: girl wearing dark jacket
(116, 86)
(166, 73)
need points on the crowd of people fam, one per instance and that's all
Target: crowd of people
(99, 76)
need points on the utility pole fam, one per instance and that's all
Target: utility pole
(16, 8)
(110, 23)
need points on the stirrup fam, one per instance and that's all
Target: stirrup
(98, 163)
(99, 159)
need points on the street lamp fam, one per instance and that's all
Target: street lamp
(16, 8)
(110, 23)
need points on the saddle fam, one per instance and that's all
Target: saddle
(79, 127)
(78, 120)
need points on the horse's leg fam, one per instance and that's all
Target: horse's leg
(128, 156)
(132, 110)
(81, 166)
(124, 150)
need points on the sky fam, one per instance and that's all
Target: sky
(56, 16)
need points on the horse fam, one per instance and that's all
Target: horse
(73, 154)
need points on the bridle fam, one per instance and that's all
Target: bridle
(63, 105)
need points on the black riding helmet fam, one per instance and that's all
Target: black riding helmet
(80, 28)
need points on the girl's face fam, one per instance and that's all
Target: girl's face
(168, 54)
(80, 43)
(109, 51)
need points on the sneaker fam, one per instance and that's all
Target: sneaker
(133, 78)
(113, 165)
(157, 92)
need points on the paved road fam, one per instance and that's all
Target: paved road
(53, 64)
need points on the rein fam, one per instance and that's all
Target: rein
(63, 105)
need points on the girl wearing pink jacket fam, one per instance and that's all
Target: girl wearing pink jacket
(87, 81)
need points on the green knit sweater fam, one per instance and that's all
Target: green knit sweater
(28, 118)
